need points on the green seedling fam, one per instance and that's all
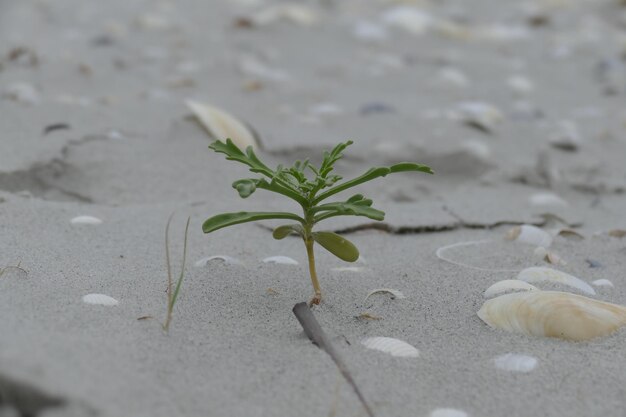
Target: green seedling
(309, 186)
(172, 291)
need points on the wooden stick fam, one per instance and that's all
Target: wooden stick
(315, 333)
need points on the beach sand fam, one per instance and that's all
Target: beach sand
(507, 101)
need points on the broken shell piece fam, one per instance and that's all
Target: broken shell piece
(538, 274)
(602, 283)
(553, 314)
(291, 12)
(392, 346)
(482, 116)
(100, 299)
(86, 220)
(228, 260)
(567, 137)
(347, 269)
(618, 233)
(554, 259)
(453, 77)
(515, 363)
(520, 85)
(221, 125)
(529, 234)
(285, 260)
(22, 93)
(448, 412)
(569, 234)
(409, 19)
(547, 200)
(394, 293)
(507, 285)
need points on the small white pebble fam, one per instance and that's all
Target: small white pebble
(602, 283)
(100, 299)
(547, 200)
(285, 260)
(86, 220)
(448, 412)
(515, 363)
(520, 84)
(22, 93)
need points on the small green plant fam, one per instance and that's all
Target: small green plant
(172, 292)
(309, 186)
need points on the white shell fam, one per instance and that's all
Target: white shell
(553, 314)
(478, 114)
(228, 260)
(453, 77)
(448, 412)
(222, 125)
(285, 260)
(395, 293)
(567, 137)
(392, 346)
(22, 93)
(520, 85)
(547, 200)
(602, 283)
(294, 13)
(410, 19)
(348, 269)
(538, 274)
(515, 363)
(86, 220)
(532, 235)
(99, 299)
(508, 285)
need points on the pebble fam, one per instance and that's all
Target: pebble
(23, 93)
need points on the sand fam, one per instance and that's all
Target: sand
(118, 74)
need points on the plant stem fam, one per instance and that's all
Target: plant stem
(308, 242)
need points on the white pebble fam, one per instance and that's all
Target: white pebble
(515, 363)
(369, 32)
(285, 260)
(547, 200)
(22, 93)
(409, 18)
(520, 84)
(100, 299)
(86, 220)
(448, 412)
(453, 77)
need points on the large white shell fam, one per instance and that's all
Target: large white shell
(100, 299)
(86, 220)
(228, 260)
(285, 260)
(394, 347)
(222, 125)
(530, 234)
(553, 314)
(539, 274)
(515, 363)
(508, 285)
(448, 412)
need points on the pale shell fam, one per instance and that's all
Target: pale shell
(222, 125)
(515, 363)
(530, 234)
(100, 299)
(395, 293)
(538, 274)
(547, 200)
(448, 412)
(410, 19)
(86, 220)
(285, 260)
(602, 283)
(506, 285)
(228, 260)
(394, 347)
(483, 116)
(553, 314)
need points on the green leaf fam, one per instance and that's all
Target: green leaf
(282, 232)
(230, 219)
(233, 153)
(245, 187)
(374, 173)
(337, 245)
(357, 205)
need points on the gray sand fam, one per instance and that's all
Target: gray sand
(118, 73)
